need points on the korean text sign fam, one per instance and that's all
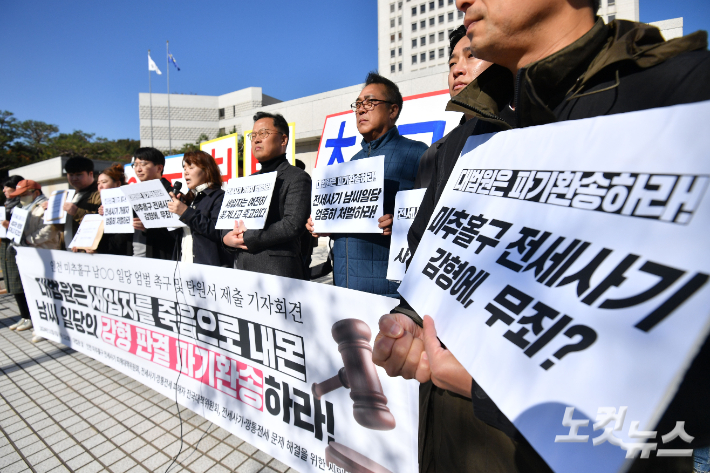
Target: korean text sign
(17, 225)
(89, 232)
(118, 214)
(55, 212)
(348, 197)
(567, 271)
(150, 201)
(251, 350)
(248, 199)
(406, 206)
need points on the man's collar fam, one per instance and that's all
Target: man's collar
(388, 136)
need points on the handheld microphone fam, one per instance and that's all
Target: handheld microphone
(176, 188)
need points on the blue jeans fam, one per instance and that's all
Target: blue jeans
(701, 458)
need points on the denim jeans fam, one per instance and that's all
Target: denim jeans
(701, 458)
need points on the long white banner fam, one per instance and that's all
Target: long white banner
(281, 363)
(566, 267)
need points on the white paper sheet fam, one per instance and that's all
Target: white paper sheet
(406, 206)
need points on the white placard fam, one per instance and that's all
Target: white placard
(150, 201)
(251, 346)
(118, 214)
(567, 270)
(406, 206)
(3, 217)
(248, 199)
(87, 232)
(17, 224)
(55, 212)
(349, 197)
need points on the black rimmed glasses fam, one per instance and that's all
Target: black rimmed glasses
(367, 104)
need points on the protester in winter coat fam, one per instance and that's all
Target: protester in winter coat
(199, 242)
(86, 200)
(563, 73)
(120, 244)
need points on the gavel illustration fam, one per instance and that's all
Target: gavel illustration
(359, 375)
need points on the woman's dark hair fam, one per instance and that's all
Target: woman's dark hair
(12, 181)
(207, 163)
(116, 173)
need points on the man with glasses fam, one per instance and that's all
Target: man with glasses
(148, 164)
(360, 259)
(276, 249)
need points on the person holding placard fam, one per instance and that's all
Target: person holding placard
(200, 241)
(80, 175)
(148, 163)
(276, 249)
(36, 233)
(11, 275)
(360, 259)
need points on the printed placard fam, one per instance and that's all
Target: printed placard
(17, 224)
(55, 212)
(3, 217)
(118, 214)
(89, 233)
(150, 201)
(349, 197)
(248, 199)
(569, 275)
(406, 206)
(261, 356)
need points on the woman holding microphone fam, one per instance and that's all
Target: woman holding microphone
(200, 242)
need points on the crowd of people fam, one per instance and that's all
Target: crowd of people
(509, 67)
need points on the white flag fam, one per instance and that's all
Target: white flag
(152, 66)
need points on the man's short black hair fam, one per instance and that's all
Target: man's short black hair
(455, 36)
(12, 181)
(280, 122)
(79, 164)
(392, 93)
(153, 155)
(595, 6)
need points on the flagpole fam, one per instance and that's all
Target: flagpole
(167, 65)
(150, 94)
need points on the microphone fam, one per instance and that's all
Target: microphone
(176, 188)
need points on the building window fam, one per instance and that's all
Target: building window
(431, 21)
(431, 38)
(399, 66)
(391, 52)
(391, 38)
(451, 2)
(414, 43)
(221, 131)
(441, 36)
(422, 57)
(451, 16)
(399, 21)
(392, 23)
(441, 18)
(414, 58)
(392, 68)
(441, 3)
(431, 6)
(414, 11)
(441, 52)
(221, 113)
(611, 3)
(422, 24)
(399, 6)
(234, 110)
(400, 36)
(460, 14)
(432, 55)
(400, 52)
(611, 18)
(450, 31)
(391, 7)
(422, 8)
(414, 27)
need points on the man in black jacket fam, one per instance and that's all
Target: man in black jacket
(554, 62)
(276, 249)
(87, 200)
(148, 163)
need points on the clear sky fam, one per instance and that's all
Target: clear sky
(80, 64)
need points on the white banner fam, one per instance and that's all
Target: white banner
(89, 232)
(55, 212)
(3, 217)
(349, 197)
(424, 118)
(261, 356)
(248, 199)
(118, 214)
(17, 225)
(406, 206)
(564, 270)
(150, 201)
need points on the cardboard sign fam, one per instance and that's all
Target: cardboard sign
(348, 198)
(424, 118)
(3, 217)
(55, 212)
(261, 356)
(251, 165)
(248, 199)
(118, 214)
(406, 206)
(569, 275)
(17, 225)
(89, 233)
(150, 202)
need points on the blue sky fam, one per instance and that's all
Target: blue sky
(81, 64)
